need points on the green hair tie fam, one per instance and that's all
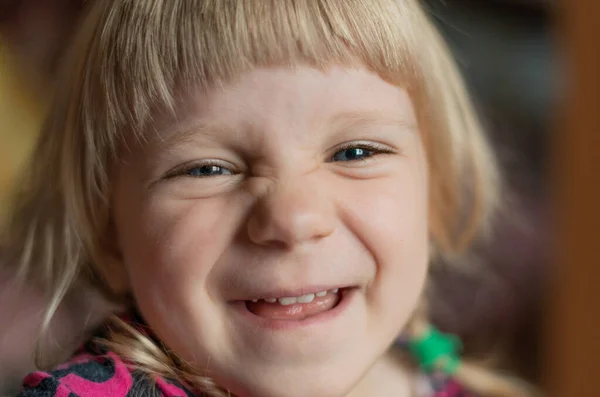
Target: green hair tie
(436, 351)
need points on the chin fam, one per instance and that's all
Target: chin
(336, 378)
(300, 386)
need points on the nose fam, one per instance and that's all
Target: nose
(291, 214)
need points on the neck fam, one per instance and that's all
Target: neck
(391, 375)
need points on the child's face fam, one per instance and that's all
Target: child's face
(280, 184)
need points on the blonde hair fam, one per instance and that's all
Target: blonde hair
(127, 63)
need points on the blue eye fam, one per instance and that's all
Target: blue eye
(352, 154)
(208, 170)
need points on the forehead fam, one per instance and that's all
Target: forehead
(284, 98)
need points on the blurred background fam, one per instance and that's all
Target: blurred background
(508, 54)
(506, 51)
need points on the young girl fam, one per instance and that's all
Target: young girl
(260, 186)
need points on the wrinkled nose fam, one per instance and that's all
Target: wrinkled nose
(291, 214)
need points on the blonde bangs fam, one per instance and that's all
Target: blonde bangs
(148, 52)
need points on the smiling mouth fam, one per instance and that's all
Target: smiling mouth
(296, 308)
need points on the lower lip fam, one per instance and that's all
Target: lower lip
(317, 319)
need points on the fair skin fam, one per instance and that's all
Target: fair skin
(284, 183)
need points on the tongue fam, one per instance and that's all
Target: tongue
(296, 311)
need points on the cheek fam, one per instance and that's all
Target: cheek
(390, 217)
(171, 245)
(396, 231)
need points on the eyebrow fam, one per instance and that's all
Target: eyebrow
(191, 133)
(209, 131)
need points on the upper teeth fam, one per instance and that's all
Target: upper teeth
(290, 300)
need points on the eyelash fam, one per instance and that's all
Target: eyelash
(373, 147)
(185, 169)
